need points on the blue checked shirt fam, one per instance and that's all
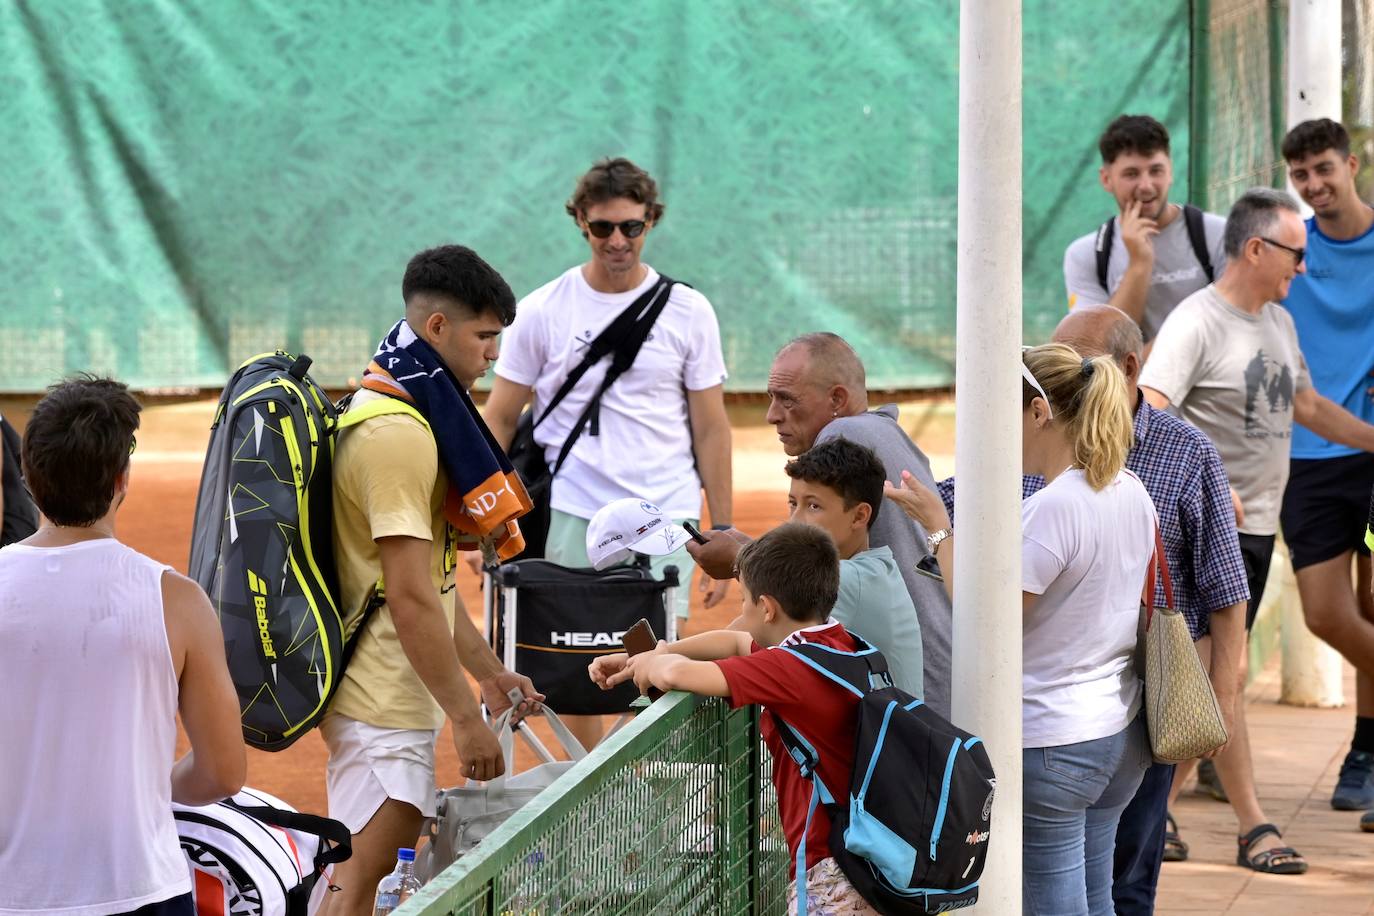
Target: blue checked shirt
(1182, 472)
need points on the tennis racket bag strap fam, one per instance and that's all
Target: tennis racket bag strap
(254, 855)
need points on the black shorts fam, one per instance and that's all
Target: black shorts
(1326, 507)
(1256, 550)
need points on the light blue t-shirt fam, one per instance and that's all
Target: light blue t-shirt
(1333, 308)
(875, 604)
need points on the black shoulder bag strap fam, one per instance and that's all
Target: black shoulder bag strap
(1106, 233)
(1197, 237)
(323, 827)
(625, 349)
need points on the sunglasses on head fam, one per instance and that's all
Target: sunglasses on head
(630, 228)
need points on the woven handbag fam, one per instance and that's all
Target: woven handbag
(1181, 710)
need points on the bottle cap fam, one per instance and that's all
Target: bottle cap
(405, 855)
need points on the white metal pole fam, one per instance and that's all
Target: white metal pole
(1312, 670)
(987, 453)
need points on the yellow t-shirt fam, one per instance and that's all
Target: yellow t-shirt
(387, 482)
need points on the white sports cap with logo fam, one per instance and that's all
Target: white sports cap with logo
(629, 526)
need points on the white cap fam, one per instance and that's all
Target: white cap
(627, 526)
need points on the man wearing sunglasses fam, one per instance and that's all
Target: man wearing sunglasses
(1332, 304)
(1228, 359)
(661, 432)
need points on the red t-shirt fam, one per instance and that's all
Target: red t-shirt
(818, 709)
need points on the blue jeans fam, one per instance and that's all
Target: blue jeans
(1073, 797)
(1140, 843)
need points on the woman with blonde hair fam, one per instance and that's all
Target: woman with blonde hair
(1087, 543)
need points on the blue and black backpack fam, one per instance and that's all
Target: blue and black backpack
(912, 834)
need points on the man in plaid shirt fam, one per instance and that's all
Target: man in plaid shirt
(1182, 472)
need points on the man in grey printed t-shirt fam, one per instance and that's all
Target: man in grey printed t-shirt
(1154, 258)
(1228, 360)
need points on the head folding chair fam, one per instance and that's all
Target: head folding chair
(548, 622)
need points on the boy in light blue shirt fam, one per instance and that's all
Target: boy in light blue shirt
(838, 486)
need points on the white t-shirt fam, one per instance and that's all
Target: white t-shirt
(1085, 553)
(644, 443)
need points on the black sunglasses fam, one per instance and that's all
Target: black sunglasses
(1297, 253)
(630, 228)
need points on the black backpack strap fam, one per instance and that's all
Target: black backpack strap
(1106, 234)
(860, 671)
(608, 340)
(1197, 237)
(322, 827)
(626, 348)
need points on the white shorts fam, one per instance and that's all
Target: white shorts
(369, 764)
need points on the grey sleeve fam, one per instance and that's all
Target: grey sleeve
(1080, 273)
(1214, 228)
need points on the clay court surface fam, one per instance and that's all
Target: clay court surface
(157, 520)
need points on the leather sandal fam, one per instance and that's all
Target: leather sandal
(1175, 850)
(1281, 860)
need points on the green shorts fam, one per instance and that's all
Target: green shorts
(567, 546)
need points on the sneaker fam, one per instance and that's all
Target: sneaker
(1208, 783)
(1367, 822)
(1355, 786)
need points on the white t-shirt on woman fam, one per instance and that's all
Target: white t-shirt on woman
(1085, 553)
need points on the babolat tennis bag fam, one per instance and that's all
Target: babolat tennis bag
(911, 830)
(262, 543)
(255, 855)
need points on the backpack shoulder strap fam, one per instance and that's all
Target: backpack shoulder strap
(1106, 234)
(379, 407)
(1197, 237)
(858, 672)
(807, 760)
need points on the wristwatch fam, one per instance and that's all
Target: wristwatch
(935, 538)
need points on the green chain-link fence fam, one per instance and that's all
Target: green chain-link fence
(675, 813)
(190, 184)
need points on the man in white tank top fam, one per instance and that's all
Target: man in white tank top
(101, 647)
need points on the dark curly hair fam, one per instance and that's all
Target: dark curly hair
(1316, 136)
(77, 442)
(853, 471)
(458, 273)
(612, 178)
(1140, 134)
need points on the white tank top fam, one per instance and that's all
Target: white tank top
(87, 732)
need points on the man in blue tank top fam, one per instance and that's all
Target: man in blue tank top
(1324, 506)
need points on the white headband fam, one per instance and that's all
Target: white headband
(1030, 380)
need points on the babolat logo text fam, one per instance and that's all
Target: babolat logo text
(586, 640)
(259, 589)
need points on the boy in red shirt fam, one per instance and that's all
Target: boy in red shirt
(790, 579)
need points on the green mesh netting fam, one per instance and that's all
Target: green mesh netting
(190, 184)
(1238, 113)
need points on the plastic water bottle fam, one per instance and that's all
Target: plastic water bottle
(398, 886)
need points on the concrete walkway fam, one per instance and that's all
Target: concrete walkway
(1297, 755)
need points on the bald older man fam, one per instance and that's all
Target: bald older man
(817, 391)
(1184, 476)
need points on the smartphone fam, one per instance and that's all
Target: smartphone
(696, 535)
(640, 638)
